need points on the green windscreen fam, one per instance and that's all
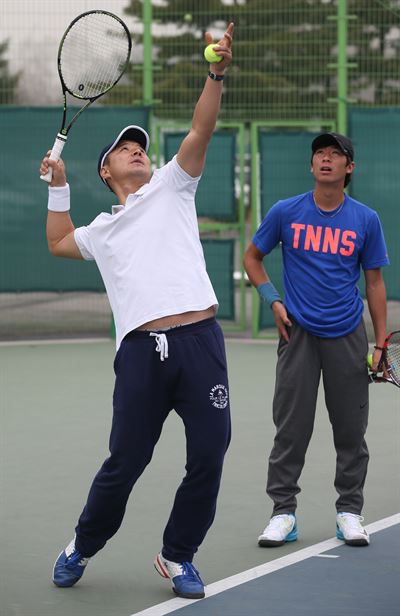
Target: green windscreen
(25, 263)
(376, 179)
(284, 165)
(219, 256)
(215, 197)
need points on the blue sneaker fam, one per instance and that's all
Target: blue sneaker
(69, 566)
(281, 528)
(186, 581)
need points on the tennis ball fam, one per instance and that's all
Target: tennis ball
(210, 54)
(369, 360)
(188, 18)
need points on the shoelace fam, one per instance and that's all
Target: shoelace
(190, 571)
(352, 521)
(162, 345)
(73, 557)
(76, 559)
(276, 522)
(184, 568)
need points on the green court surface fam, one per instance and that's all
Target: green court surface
(56, 415)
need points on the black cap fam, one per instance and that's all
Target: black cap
(133, 133)
(342, 142)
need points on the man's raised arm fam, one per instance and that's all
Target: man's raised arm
(192, 153)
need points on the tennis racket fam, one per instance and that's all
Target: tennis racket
(389, 365)
(93, 55)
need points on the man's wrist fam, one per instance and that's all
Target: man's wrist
(216, 76)
(59, 198)
(268, 293)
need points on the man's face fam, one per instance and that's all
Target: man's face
(330, 165)
(128, 160)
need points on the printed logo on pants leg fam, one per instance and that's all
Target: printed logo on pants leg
(219, 396)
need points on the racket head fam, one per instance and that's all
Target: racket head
(389, 365)
(93, 54)
(391, 356)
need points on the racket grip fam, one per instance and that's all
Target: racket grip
(55, 155)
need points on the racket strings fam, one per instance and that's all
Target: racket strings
(393, 356)
(93, 55)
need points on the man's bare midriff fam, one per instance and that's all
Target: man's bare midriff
(174, 320)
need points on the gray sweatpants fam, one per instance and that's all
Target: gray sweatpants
(342, 362)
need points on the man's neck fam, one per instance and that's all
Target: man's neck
(124, 190)
(328, 197)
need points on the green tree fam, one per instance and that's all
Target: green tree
(284, 55)
(8, 82)
(375, 35)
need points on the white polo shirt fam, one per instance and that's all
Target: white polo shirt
(149, 252)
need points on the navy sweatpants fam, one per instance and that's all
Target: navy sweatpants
(193, 381)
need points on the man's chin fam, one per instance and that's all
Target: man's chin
(138, 169)
(329, 180)
(141, 173)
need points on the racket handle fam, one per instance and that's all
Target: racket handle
(55, 155)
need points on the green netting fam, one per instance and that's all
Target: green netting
(376, 180)
(219, 256)
(281, 52)
(374, 52)
(25, 263)
(215, 197)
(285, 55)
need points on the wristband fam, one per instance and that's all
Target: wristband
(268, 293)
(379, 348)
(58, 198)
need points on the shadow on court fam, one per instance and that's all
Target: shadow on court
(56, 417)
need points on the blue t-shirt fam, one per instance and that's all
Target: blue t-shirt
(322, 257)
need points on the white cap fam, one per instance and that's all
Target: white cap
(132, 133)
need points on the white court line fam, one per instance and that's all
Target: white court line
(326, 556)
(251, 574)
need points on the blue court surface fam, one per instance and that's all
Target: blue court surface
(327, 579)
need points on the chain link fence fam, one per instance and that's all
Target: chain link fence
(292, 62)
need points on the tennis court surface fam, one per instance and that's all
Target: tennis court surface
(310, 582)
(56, 415)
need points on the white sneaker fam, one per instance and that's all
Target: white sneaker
(281, 528)
(349, 529)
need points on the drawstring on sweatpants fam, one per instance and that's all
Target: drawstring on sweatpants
(162, 345)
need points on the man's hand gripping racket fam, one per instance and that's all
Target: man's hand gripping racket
(389, 366)
(93, 55)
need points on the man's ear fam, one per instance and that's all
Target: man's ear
(350, 168)
(104, 172)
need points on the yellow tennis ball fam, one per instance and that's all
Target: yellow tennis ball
(188, 18)
(210, 54)
(369, 360)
